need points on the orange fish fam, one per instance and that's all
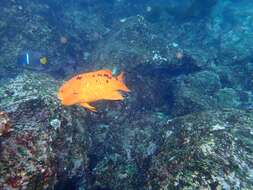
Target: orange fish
(86, 88)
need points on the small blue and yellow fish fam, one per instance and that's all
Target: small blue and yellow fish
(32, 60)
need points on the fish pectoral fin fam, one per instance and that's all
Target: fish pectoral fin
(114, 95)
(88, 106)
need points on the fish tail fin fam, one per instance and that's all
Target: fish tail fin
(121, 77)
(122, 86)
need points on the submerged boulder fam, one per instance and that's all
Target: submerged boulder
(207, 150)
(194, 93)
(134, 44)
(46, 143)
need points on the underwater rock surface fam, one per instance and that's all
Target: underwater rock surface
(46, 143)
(49, 145)
(195, 92)
(210, 150)
(207, 150)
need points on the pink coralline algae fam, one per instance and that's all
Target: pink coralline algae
(5, 125)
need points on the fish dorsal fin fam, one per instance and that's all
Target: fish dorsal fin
(88, 106)
(105, 71)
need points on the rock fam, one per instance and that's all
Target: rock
(136, 45)
(47, 143)
(5, 125)
(194, 92)
(85, 25)
(183, 11)
(228, 97)
(16, 40)
(119, 161)
(212, 149)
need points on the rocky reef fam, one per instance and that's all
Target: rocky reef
(50, 145)
(187, 123)
(38, 150)
(208, 150)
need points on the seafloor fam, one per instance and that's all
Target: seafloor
(187, 123)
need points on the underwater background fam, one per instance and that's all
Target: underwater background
(186, 124)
